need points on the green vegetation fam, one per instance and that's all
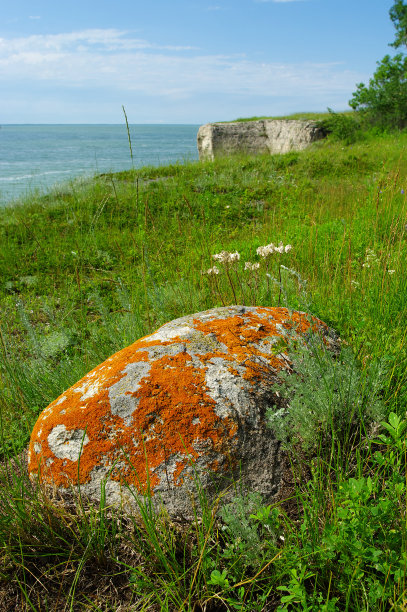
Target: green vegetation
(398, 15)
(303, 116)
(89, 268)
(383, 103)
(345, 127)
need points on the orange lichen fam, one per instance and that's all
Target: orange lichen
(92, 415)
(174, 390)
(240, 334)
(173, 408)
(178, 481)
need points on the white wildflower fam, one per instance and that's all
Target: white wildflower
(214, 270)
(391, 271)
(370, 258)
(226, 257)
(354, 283)
(251, 266)
(265, 251)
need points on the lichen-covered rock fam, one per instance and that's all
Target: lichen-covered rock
(254, 137)
(188, 400)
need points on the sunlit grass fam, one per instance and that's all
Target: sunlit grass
(90, 268)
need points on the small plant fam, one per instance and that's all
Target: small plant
(298, 595)
(246, 284)
(326, 394)
(243, 533)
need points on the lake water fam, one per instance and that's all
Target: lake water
(39, 156)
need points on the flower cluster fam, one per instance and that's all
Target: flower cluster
(226, 257)
(251, 266)
(370, 259)
(214, 270)
(269, 249)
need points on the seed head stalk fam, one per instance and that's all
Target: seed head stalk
(128, 135)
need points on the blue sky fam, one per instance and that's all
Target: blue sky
(184, 61)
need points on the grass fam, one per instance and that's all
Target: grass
(302, 116)
(89, 268)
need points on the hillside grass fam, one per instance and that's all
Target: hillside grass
(91, 267)
(310, 116)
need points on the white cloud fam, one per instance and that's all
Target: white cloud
(105, 39)
(113, 59)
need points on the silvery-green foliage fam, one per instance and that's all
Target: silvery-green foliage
(325, 394)
(242, 530)
(55, 343)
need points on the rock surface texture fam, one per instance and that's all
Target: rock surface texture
(253, 137)
(188, 399)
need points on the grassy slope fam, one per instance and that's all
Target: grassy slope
(88, 269)
(303, 116)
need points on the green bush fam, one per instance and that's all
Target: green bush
(383, 102)
(341, 127)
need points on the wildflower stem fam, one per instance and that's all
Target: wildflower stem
(241, 288)
(279, 286)
(268, 280)
(231, 283)
(219, 292)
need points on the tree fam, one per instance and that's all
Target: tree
(398, 15)
(384, 101)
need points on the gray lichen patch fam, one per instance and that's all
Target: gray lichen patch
(225, 388)
(122, 394)
(67, 444)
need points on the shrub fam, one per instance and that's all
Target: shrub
(341, 127)
(327, 395)
(384, 102)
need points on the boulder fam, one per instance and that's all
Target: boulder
(254, 137)
(185, 402)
